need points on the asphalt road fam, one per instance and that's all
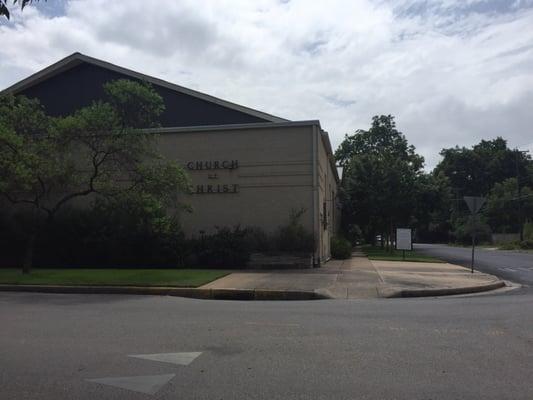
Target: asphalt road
(52, 346)
(510, 265)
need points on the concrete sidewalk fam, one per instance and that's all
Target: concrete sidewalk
(360, 278)
(414, 279)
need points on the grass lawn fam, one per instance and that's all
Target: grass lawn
(377, 253)
(127, 277)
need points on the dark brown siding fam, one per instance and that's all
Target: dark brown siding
(80, 86)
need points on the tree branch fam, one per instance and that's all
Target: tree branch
(12, 200)
(89, 190)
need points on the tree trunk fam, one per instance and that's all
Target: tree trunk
(27, 263)
(36, 230)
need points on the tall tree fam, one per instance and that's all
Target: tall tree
(506, 207)
(379, 178)
(98, 152)
(475, 171)
(432, 211)
(381, 139)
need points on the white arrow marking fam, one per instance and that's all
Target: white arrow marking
(148, 384)
(172, 358)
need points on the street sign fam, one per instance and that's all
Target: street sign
(474, 203)
(403, 239)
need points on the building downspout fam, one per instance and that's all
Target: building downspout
(316, 209)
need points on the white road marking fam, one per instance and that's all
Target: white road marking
(148, 384)
(271, 324)
(172, 358)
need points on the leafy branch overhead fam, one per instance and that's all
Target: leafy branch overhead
(4, 10)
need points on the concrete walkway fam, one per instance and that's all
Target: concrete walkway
(411, 279)
(360, 278)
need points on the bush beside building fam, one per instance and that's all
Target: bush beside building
(112, 237)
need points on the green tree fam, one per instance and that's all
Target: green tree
(47, 163)
(503, 211)
(381, 139)
(432, 207)
(473, 172)
(379, 178)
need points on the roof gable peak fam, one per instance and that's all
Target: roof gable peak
(77, 58)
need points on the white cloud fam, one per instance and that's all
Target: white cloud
(452, 72)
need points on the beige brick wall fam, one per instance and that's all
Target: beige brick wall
(327, 194)
(274, 175)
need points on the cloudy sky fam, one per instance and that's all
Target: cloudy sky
(451, 71)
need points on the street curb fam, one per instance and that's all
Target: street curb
(195, 293)
(395, 293)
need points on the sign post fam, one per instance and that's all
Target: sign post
(404, 240)
(474, 205)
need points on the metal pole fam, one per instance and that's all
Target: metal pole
(473, 243)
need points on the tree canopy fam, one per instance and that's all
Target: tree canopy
(384, 186)
(505, 207)
(382, 139)
(489, 169)
(474, 171)
(47, 163)
(380, 172)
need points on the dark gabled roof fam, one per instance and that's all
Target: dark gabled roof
(255, 118)
(77, 59)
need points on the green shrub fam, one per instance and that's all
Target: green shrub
(465, 228)
(528, 231)
(232, 247)
(341, 248)
(227, 247)
(258, 240)
(293, 237)
(133, 233)
(526, 244)
(105, 235)
(523, 245)
(509, 246)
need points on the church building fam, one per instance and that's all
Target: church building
(247, 167)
